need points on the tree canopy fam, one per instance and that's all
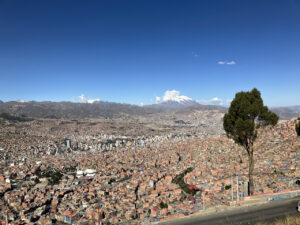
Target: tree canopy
(246, 113)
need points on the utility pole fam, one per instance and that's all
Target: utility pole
(237, 189)
(242, 191)
(203, 200)
(99, 212)
(231, 190)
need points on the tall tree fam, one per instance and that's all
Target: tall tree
(297, 127)
(245, 115)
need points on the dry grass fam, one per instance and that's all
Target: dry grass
(289, 220)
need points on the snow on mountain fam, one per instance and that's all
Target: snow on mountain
(172, 100)
(22, 101)
(174, 96)
(83, 99)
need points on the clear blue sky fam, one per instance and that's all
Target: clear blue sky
(132, 51)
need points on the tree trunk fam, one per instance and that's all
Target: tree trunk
(251, 170)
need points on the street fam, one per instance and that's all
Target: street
(244, 215)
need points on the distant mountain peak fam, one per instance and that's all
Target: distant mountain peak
(188, 102)
(173, 100)
(83, 99)
(22, 101)
(176, 98)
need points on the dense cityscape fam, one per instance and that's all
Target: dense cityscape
(82, 177)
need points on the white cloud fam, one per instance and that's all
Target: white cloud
(227, 63)
(231, 63)
(83, 99)
(172, 95)
(228, 101)
(142, 104)
(216, 99)
(213, 101)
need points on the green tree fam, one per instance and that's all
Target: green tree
(245, 115)
(298, 127)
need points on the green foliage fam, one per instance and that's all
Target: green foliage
(297, 127)
(163, 205)
(55, 178)
(37, 180)
(227, 187)
(245, 114)
(180, 176)
(70, 169)
(179, 180)
(134, 217)
(54, 175)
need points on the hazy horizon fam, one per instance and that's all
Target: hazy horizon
(104, 101)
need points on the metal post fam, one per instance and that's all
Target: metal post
(242, 192)
(99, 214)
(203, 200)
(231, 190)
(237, 190)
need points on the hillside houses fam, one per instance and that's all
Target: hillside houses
(132, 181)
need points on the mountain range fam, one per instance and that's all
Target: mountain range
(286, 113)
(48, 109)
(173, 104)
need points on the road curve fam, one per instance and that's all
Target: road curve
(244, 215)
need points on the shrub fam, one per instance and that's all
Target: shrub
(163, 205)
(227, 187)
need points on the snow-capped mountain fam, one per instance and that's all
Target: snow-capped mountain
(173, 100)
(173, 104)
(174, 96)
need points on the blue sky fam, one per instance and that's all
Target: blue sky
(134, 51)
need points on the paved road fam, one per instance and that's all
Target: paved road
(244, 215)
